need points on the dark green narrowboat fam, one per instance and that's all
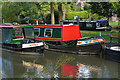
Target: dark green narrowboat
(67, 38)
(88, 24)
(20, 38)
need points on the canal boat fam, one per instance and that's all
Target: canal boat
(112, 51)
(90, 24)
(20, 38)
(67, 38)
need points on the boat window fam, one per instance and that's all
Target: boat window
(48, 33)
(29, 33)
(0, 35)
(18, 34)
(6, 35)
(80, 24)
(37, 31)
(89, 24)
(97, 24)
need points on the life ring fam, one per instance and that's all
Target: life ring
(102, 38)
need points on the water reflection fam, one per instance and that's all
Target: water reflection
(55, 64)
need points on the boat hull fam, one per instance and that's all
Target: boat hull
(86, 49)
(112, 55)
(19, 47)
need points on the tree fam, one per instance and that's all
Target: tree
(60, 11)
(11, 10)
(116, 6)
(102, 8)
(43, 9)
(52, 13)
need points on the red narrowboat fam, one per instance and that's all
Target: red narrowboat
(66, 38)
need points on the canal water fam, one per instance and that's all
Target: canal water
(55, 64)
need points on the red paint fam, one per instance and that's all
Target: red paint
(33, 45)
(71, 33)
(89, 41)
(79, 42)
(102, 38)
(39, 26)
(9, 24)
(29, 37)
(18, 36)
(68, 70)
(48, 39)
(34, 19)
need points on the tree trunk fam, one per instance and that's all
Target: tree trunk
(64, 13)
(52, 13)
(60, 12)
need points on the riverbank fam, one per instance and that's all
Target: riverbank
(114, 24)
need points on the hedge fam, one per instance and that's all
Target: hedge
(81, 14)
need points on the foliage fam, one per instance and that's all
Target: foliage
(48, 17)
(11, 10)
(86, 7)
(102, 8)
(113, 23)
(81, 14)
(96, 16)
(103, 18)
(116, 6)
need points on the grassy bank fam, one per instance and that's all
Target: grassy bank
(105, 34)
(114, 24)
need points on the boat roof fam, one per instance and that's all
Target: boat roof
(83, 20)
(80, 21)
(67, 32)
(102, 20)
(56, 25)
(10, 25)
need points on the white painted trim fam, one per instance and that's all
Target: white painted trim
(116, 48)
(32, 45)
(19, 39)
(101, 28)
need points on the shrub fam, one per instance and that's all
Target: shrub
(96, 16)
(81, 14)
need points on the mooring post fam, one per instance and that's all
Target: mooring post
(100, 34)
(110, 40)
(3, 20)
(37, 22)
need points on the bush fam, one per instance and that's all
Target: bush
(104, 18)
(96, 16)
(81, 14)
(48, 18)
